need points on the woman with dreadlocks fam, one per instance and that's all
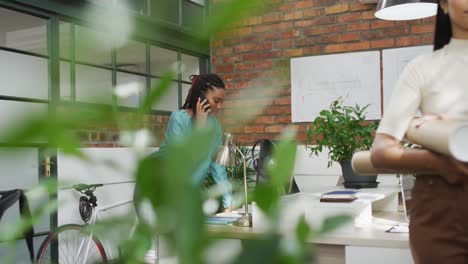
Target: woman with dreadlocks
(204, 100)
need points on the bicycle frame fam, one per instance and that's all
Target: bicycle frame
(94, 218)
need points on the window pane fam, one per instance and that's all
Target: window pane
(192, 14)
(93, 85)
(14, 113)
(138, 6)
(167, 10)
(131, 84)
(65, 87)
(92, 46)
(64, 37)
(185, 90)
(190, 65)
(161, 60)
(169, 101)
(23, 32)
(23, 75)
(132, 57)
(200, 2)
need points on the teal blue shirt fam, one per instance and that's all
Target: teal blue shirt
(180, 124)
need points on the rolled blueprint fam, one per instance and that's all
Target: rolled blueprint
(447, 137)
(443, 136)
(362, 165)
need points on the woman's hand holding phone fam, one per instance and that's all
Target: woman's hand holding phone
(203, 109)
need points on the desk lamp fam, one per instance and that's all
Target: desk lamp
(405, 9)
(226, 156)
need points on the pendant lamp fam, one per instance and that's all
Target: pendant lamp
(405, 9)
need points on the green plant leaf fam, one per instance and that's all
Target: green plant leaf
(334, 222)
(282, 162)
(303, 230)
(264, 250)
(170, 189)
(265, 195)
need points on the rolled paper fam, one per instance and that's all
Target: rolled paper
(444, 136)
(362, 165)
(448, 137)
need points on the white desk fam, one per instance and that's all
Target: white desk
(349, 244)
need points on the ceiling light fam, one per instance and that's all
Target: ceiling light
(405, 9)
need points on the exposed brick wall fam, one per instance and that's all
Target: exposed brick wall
(262, 45)
(107, 135)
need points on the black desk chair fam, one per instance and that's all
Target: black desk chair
(266, 148)
(7, 199)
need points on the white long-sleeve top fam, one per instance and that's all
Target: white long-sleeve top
(435, 83)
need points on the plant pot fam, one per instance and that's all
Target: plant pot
(352, 180)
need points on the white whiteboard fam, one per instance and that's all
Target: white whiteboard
(318, 80)
(393, 62)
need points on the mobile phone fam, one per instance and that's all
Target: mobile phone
(202, 98)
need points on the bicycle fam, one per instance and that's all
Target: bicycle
(72, 243)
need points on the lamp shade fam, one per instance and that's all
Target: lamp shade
(225, 155)
(405, 9)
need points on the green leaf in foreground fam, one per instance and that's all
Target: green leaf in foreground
(333, 223)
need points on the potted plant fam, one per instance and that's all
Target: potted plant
(342, 130)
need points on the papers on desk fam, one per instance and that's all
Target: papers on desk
(399, 228)
(219, 220)
(224, 218)
(390, 226)
(241, 210)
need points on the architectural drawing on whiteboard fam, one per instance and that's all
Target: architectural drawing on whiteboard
(317, 81)
(330, 89)
(394, 62)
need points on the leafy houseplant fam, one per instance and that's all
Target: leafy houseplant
(341, 129)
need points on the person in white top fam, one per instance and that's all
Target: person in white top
(437, 85)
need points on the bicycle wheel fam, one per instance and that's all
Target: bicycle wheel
(67, 241)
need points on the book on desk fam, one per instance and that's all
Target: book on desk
(342, 196)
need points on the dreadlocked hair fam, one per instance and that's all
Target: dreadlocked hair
(200, 85)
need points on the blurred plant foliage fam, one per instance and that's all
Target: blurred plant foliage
(236, 173)
(165, 183)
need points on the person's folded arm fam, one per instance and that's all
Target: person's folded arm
(388, 153)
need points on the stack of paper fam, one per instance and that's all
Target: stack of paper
(344, 196)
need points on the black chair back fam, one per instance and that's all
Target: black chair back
(9, 198)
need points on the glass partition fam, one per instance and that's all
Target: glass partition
(92, 46)
(23, 32)
(93, 85)
(132, 87)
(190, 65)
(132, 57)
(170, 100)
(162, 60)
(23, 75)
